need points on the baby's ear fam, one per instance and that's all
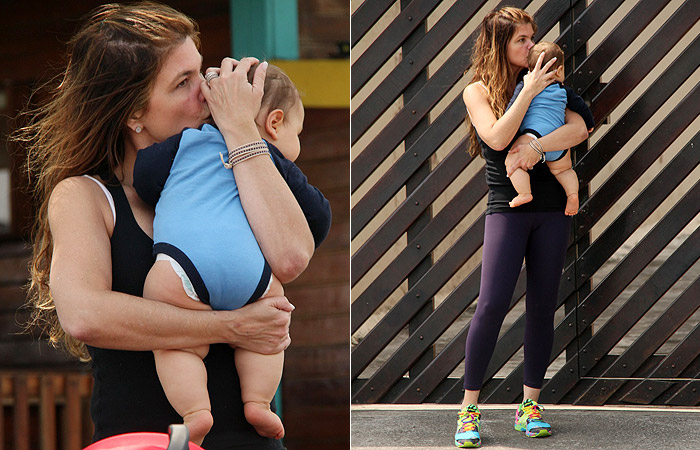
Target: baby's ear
(273, 122)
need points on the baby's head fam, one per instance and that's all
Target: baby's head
(281, 116)
(550, 50)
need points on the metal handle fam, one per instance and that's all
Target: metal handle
(179, 437)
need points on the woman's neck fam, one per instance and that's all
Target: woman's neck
(125, 171)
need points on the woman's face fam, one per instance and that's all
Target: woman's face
(519, 46)
(176, 101)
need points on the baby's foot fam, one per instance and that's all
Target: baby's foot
(265, 422)
(520, 199)
(199, 423)
(571, 205)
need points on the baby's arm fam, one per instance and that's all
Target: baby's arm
(152, 168)
(516, 92)
(314, 205)
(576, 104)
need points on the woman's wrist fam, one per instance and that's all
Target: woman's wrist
(240, 135)
(537, 147)
(223, 328)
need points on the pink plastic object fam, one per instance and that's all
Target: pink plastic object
(176, 439)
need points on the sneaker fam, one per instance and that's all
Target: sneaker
(467, 435)
(528, 418)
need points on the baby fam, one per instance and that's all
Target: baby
(207, 256)
(546, 114)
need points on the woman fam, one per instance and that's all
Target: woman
(537, 231)
(133, 78)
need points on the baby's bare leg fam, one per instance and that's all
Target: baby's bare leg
(520, 178)
(181, 372)
(563, 171)
(260, 376)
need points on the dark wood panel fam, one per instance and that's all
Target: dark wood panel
(410, 162)
(415, 251)
(366, 15)
(410, 18)
(412, 371)
(392, 228)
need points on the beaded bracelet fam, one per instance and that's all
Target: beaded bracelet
(245, 152)
(536, 146)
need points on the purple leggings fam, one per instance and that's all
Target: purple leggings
(541, 238)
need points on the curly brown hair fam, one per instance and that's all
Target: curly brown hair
(490, 61)
(112, 64)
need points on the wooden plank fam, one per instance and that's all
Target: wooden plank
(47, 413)
(34, 354)
(572, 39)
(393, 227)
(416, 155)
(411, 65)
(392, 323)
(621, 228)
(331, 267)
(366, 15)
(689, 395)
(21, 413)
(12, 298)
(645, 392)
(641, 301)
(420, 387)
(435, 40)
(321, 299)
(315, 362)
(640, 112)
(621, 180)
(72, 420)
(644, 346)
(381, 49)
(13, 270)
(622, 36)
(641, 64)
(401, 360)
(317, 392)
(370, 299)
(596, 302)
(335, 428)
(332, 327)
(2, 426)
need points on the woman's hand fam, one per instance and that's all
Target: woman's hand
(521, 155)
(233, 101)
(263, 326)
(536, 80)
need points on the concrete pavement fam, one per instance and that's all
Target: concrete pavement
(423, 427)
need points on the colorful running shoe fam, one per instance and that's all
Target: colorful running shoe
(528, 418)
(467, 435)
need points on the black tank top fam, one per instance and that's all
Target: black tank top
(127, 395)
(547, 193)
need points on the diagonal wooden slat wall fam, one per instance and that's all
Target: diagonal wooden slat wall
(627, 323)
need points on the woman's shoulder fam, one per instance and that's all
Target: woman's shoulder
(476, 88)
(475, 95)
(77, 196)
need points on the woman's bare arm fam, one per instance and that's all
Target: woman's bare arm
(274, 215)
(88, 309)
(498, 133)
(572, 133)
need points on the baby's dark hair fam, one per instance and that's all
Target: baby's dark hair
(550, 50)
(280, 92)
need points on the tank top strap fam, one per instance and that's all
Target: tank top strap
(108, 194)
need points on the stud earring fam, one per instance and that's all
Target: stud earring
(138, 129)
